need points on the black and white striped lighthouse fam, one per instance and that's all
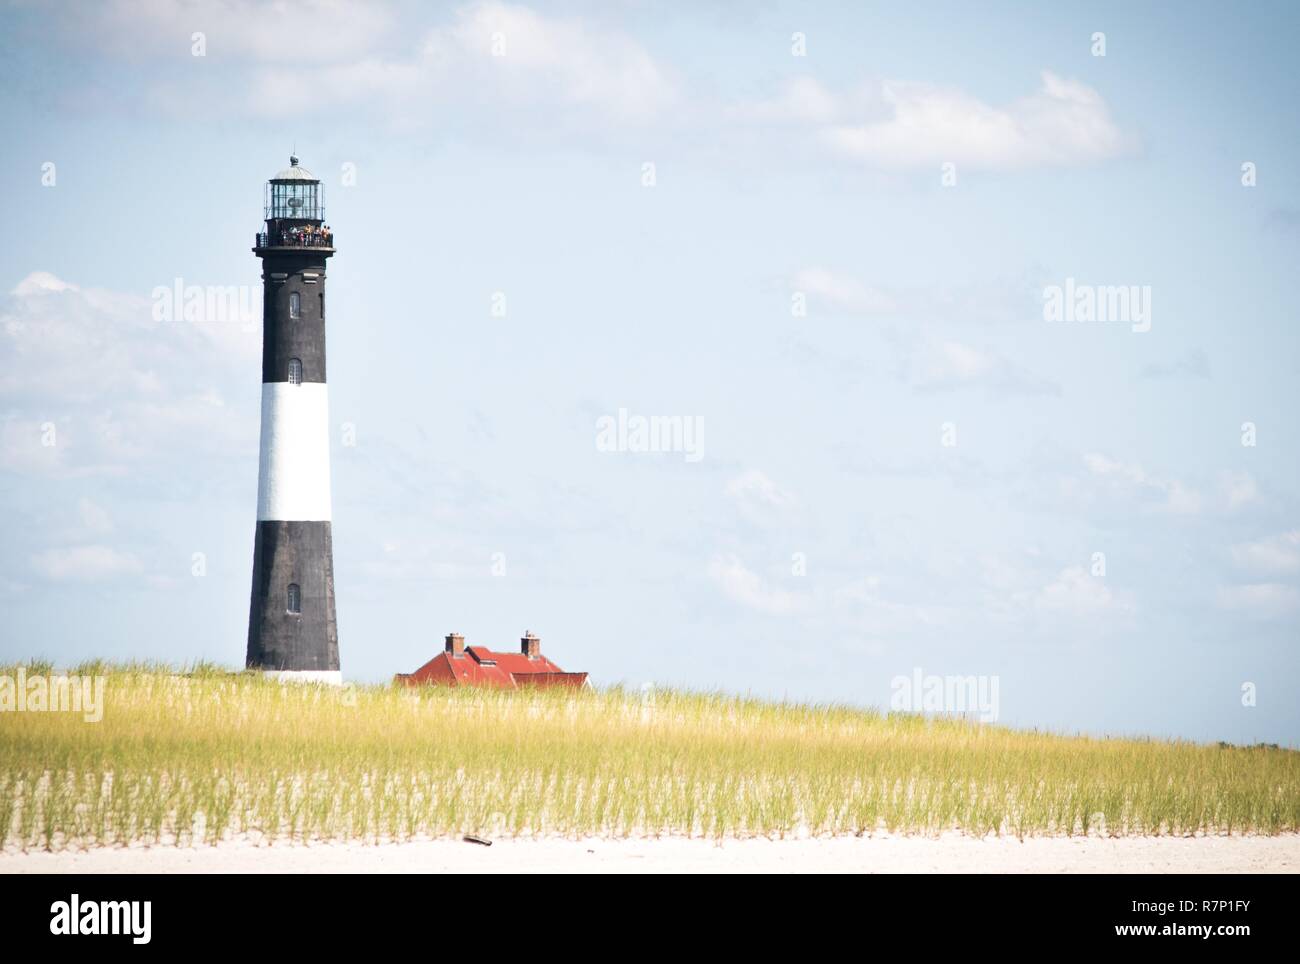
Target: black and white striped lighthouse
(292, 631)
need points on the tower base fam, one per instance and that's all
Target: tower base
(293, 634)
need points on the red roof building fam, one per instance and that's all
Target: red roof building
(461, 665)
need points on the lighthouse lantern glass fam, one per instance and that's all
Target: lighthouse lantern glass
(299, 200)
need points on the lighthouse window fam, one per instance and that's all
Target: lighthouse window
(295, 305)
(295, 371)
(322, 306)
(295, 598)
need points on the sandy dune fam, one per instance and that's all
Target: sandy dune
(879, 854)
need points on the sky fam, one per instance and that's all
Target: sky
(821, 236)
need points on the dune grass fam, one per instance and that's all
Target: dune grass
(198, 757)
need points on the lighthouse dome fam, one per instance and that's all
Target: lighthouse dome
(295, 173)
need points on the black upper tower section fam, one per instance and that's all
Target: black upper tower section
(293, 249)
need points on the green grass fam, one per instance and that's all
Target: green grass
(204, 756)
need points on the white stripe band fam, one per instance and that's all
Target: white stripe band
(293, 480)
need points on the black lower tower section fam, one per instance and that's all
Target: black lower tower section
(299, 554)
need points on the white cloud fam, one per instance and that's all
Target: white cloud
(954, 361)
(25, 448)
(582, 64)
(843, 293)
(1280, 553)
(803, 101)
(933, 363)
(757, 496)
(998, 300)
(1074, 592)
(944, 364)
(94, 517)
(90, 383)
(543, 60)
(306, 31)
(864, 591)
(748, 588)
(329, 55)
(1238, 488)
(322, 57)
(419, 561)
(872, 613)
(1064, 122)
(1193, 364)
(40, 282)
(91, 563)
(1133, 481)
(1264, 600)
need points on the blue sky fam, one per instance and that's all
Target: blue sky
(827, 541)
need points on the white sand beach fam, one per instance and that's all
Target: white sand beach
(950, 853)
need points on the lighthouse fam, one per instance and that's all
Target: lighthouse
(292, 632)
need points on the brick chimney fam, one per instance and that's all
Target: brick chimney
(530, 646)
(456, 645)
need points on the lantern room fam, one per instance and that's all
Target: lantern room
(295, 194)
